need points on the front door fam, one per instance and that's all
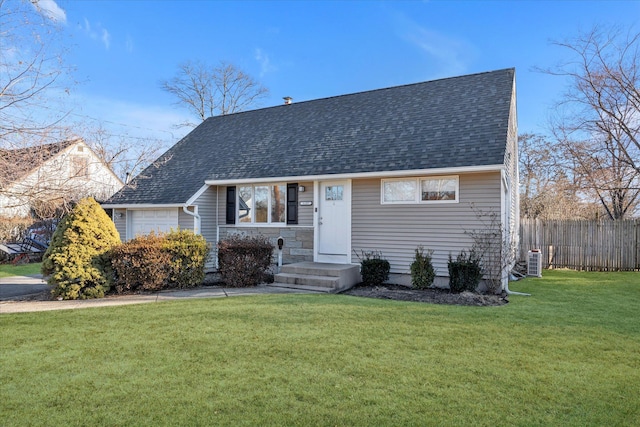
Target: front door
(334, 222)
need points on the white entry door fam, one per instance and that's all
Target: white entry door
(334, 222)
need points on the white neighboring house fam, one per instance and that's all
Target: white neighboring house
(52, 174)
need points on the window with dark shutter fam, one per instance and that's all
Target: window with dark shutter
(231, 205)
(292, 203)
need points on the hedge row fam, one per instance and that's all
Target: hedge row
(154, 262)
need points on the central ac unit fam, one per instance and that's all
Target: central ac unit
(534, 263)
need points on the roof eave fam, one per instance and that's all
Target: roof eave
(383, 174)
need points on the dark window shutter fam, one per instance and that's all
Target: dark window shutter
(292, 203)
(231, 205)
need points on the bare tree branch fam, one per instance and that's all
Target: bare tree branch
(31, 68)
(597, 122)
(208, 91)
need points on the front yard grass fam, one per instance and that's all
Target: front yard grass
(567, 355)
(9, 270)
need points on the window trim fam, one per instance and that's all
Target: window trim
(252, 223)
(417, 199)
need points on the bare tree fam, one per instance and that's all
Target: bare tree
(125, 155)
(208, 91)
(598, 118)
(549, 185)
(31, 69)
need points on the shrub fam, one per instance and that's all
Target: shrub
(422, 271)
(374, 269)
(153, 262)
(75, 260)
(141, 264)
(243, 260)
(465, 272)
(188, 253)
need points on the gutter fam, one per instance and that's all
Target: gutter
(194, 214)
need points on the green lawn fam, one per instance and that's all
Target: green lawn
(567, 355)
(8, 270)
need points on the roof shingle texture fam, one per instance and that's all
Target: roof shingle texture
(454, 122)
(18, 162)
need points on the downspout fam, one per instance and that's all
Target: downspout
(217, 223)
(506, 280)
(506, 289)
(196, 217)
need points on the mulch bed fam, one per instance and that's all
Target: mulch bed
(432, 295)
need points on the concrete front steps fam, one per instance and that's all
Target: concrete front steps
(318, 276)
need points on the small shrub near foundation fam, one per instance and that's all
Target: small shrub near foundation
(374, 268)
(243, 260)
(422, 271)
(465, 272)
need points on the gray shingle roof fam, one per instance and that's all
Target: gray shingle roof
(453, 122)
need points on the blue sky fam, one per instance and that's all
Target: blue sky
(121, 50)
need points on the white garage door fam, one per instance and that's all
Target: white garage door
(143, 221)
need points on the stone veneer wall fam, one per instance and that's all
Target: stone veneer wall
(298, 241)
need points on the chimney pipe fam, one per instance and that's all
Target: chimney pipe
(287, 100)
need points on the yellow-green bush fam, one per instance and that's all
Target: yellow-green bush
(75, 260)
(188, 252)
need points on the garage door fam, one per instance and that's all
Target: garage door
(143, 221)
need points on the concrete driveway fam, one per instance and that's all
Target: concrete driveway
(21, 286)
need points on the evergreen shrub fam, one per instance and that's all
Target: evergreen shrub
(374, 268)
(465, 272)
(422, 271)
(244, 260)
(189, 253)
(75, 260)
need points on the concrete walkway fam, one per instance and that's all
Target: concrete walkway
(8, 306)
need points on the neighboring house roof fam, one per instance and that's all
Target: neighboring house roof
(447, 123)
(17, 163)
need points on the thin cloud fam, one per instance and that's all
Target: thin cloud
(51, 10)
(128, 44)
(452, 55)
(106, 38)
(96, 32)
(264, 61)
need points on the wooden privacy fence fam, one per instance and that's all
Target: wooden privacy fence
(583, 245)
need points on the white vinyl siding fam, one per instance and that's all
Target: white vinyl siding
(185, 221)
(397, 229)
